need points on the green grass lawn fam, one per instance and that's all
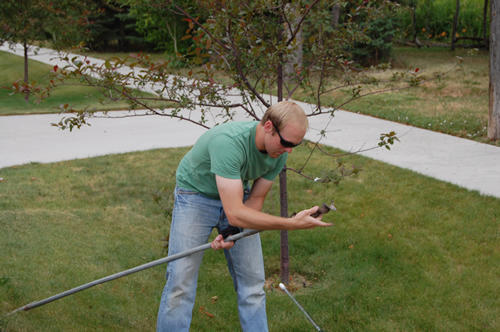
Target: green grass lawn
(457, 104)
(12, 70)
(407, 252)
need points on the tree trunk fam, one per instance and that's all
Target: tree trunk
(26, 47)
(494, 112)
(454, 27)
(427, 25)
(285, 258)
(335, 15)
(293, 61)
(485, 22)
(414, 23)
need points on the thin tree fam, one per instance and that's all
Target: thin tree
(159, 25)
(485, 25)
(61, 23)
(413, 13)
(454, 25)
(335, 14)
(494, 110)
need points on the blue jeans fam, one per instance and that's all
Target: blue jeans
(193, 219)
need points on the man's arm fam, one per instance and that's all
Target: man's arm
(245, 216)
(258, 194)
(249, 215)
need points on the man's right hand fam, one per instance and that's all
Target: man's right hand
(219, 243)
(303, 220)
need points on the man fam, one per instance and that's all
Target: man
(213, 191)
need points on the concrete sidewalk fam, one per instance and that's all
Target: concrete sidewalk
(466, 163)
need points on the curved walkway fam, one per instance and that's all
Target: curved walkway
(30, 138)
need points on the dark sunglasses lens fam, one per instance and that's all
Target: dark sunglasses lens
(285, 143)
(288, 144)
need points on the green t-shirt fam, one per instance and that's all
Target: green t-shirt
(227, 150)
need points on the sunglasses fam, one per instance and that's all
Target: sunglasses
(284, 142)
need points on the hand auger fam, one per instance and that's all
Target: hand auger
(230, 234)
(322, 210)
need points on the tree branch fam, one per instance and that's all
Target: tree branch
(297, 28)
(201, 26)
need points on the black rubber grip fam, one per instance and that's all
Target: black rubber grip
(231, 230)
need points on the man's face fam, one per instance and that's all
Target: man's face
(291, 134)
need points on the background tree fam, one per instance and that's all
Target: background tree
(160, 26)
(335, 14)
(454, 26)
(434, 21)
(113, 28)
(494, 112)
(296, 56)
(378, 47)
(485, 25)
(413, 6)
(62, 23)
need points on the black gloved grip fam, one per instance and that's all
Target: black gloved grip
(230, 230)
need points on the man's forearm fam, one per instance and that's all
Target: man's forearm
(254, 203)
(248, 217)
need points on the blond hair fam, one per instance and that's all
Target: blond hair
(284, 112)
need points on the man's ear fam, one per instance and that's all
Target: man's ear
(268, 126)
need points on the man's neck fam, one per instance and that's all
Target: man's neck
(260, 135)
